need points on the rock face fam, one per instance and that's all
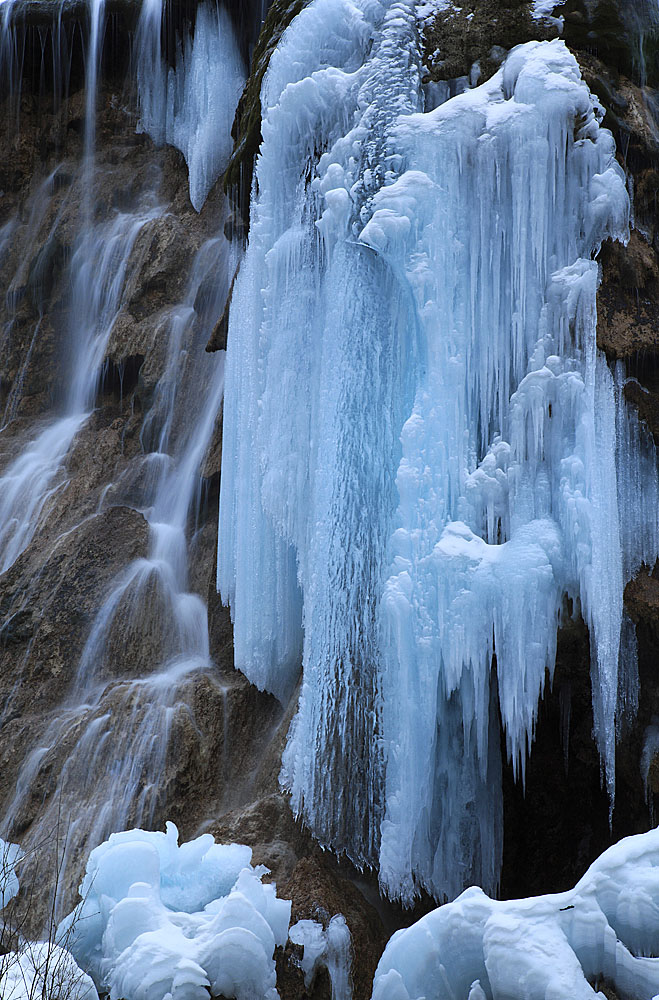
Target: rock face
(224, 741)
(471, 38)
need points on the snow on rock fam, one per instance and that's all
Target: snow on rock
(158, 919)
(548, 10)
(560, 945)
(330, 947)
(42, 969)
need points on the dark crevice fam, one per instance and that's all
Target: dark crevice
(120, 378)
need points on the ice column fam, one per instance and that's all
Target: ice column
(424, 453)
(192, 105)
(508, 483)
(333, 340)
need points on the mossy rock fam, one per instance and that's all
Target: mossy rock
(624, 34)
(477, 31)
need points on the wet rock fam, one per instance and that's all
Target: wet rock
(49, 597)
(462, 35)
(316, 883)
(218, 338)
(642, 599)
(627, 316)
(159, 266)
(621, 33)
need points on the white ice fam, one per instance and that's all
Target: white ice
(191, 105)
(424, 453)
(559, 946)
(158, 919)
(10, 855)
(329, 947)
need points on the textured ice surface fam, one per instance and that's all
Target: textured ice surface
(424, 453)
(329, 947)
(10, 855)
(192, 105)
(158, 919)
(43, 970)
(517, 457)
(555, 946)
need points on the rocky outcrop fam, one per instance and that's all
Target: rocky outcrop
(471, 39)
(622, 34)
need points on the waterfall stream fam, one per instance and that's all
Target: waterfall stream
(107, 739)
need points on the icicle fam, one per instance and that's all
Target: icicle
(331, 948)
(192, 105)
(424, 453)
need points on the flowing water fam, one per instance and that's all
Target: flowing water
(107, 739)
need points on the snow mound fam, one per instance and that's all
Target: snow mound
(552, 946)
(162, 920)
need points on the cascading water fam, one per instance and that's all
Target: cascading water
(112, 715)
(108, 738)
(424, 453)
(27, 483)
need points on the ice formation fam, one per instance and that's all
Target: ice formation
(192, 105)
(330, 947)
(424, 453)
(560, 945)
(158, 919)
(10, 855)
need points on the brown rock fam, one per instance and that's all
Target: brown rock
(627, 315)
(477, 31)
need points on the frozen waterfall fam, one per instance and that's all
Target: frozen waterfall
(426, 460)
(191, 105)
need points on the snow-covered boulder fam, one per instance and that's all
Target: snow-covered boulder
(158, 919)
(553, 947)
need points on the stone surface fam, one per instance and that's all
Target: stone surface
(480, 32)
(246, 131)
